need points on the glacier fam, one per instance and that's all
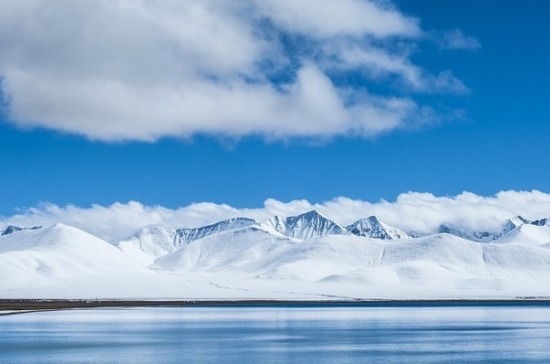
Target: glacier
(302, 257)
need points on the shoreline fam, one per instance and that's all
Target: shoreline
(15, 306)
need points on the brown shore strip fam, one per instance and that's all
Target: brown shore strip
(59, 304)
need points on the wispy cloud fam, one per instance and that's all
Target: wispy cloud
(143, 70)
(455, 39)
(380, 64)
(422, 212)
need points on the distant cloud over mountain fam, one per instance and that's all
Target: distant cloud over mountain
(410, 212)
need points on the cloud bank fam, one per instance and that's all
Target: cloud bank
(144, 69)
(422, 212)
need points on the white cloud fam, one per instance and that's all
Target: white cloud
(422, 212)
(144, 69)
(328, 18)
(378, 63)
(455, 39)
(120, 220)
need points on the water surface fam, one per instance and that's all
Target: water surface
(280, 334)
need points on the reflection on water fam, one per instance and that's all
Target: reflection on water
(280, 334)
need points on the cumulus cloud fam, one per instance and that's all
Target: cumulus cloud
(421, 212)
(144, 69)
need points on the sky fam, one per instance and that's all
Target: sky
(242, 103)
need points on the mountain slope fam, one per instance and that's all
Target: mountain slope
(437, 263)
(60, 251)
(478, 236)
(227, 250)
(189, 235)
(513, 224)
(527, 234)
(150, 243)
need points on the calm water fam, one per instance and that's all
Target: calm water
(280, 334)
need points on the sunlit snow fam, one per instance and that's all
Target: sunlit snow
(307, 256)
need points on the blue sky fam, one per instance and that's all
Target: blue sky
(491, 137)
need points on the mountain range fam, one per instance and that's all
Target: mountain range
(302, 256)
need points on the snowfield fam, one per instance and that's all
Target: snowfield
(301, 257)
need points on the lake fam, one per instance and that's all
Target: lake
(315, 333)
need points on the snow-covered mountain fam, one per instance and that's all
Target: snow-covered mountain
(150, 243)
(153, 242)
(58, 251)
(308, 225)
(188, 235)
(13, 229)
(485, 236)
(527, 234)
(227, 250)
(435, 264)
(541, 222)
(303, 256)
(372, 227)
(513, 224)
(479, 236)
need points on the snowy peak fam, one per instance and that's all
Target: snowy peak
(541, 222)
(479, 236)
(513, 224)
(60, 252)
(155, 230)
(373, 228)
(189, 235)
(485, 236)
(308, 225)
(13, 229)
(57, 236)
(149, 243)
(158, 235)
(276, 223)
(155, 241)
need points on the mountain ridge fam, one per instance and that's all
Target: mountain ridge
(310, 224)
(253, 259)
